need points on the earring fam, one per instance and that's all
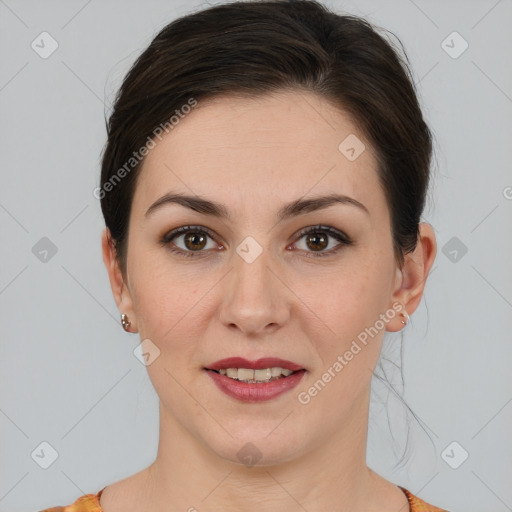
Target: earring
(125, 322)
(406, 316)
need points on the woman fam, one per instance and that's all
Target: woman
(262, 187)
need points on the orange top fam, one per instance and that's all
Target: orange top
(91, 503)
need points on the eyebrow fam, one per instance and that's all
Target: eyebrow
(297, 207)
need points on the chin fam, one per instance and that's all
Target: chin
(254, 449)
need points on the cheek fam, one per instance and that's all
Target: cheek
(169, 302)
(164, 311)
(348, 301)
(345, 340)
(159, 297)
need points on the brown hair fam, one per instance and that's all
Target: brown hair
(258, 47)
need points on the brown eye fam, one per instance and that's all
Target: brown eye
(195, 241)
(189, 241)
(317, 241)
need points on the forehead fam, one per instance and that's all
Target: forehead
(285, 144)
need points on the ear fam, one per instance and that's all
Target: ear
(410, 280)
(118, 281)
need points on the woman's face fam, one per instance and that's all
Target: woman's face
(250, 284)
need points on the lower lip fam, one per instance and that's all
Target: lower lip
(248, 392)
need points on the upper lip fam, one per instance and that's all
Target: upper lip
(264, 362)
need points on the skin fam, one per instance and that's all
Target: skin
(253, 156)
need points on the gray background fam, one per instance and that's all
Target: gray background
(68, 373)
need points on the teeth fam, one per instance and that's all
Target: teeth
(248, 375)
(275, 372)
(264, 374)
(245, 374)
(232, 372)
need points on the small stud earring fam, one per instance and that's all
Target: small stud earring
(406, 316)
(125, 322)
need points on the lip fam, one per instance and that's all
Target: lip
(264, 362)
(256, 392)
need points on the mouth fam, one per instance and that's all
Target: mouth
(255, 381)
(263, 370)
(260, 376)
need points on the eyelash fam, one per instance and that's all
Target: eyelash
(334, 233)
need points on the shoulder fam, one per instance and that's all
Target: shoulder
(418, 505)
(86, 503)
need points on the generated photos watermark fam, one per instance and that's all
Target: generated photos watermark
(138, 156)
(304, 397)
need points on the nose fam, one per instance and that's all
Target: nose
(255, 296)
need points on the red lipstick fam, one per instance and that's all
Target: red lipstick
(258, 391)
(264, 362)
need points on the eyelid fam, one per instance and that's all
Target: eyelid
(166, 239)
(336, 233)
(340, 236)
